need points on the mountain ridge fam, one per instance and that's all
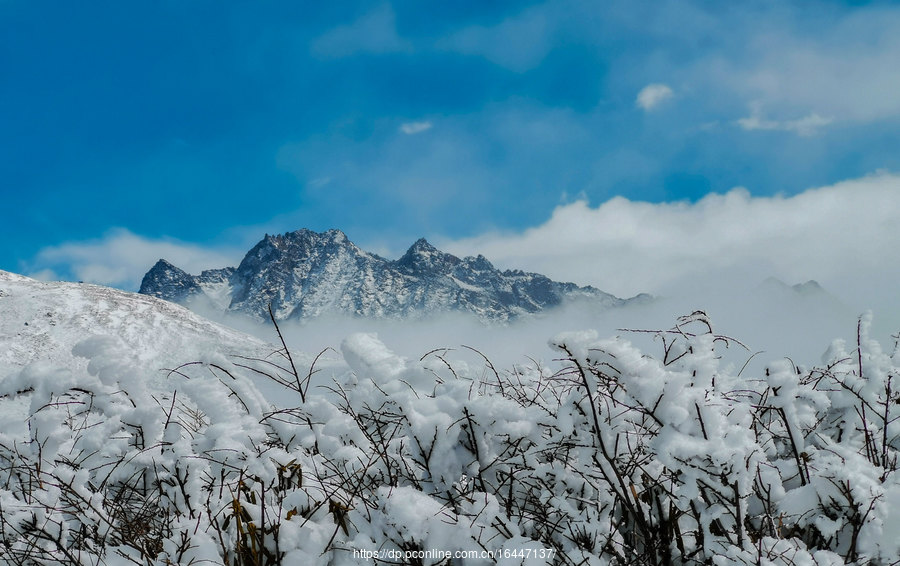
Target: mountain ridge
(306, 274)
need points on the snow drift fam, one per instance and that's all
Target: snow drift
(609, 456)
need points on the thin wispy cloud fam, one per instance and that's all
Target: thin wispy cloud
(846, 72)
(518, 43)
(319, 182)
(375, 32)
(653, 95)
(411, 128)
(806, 126)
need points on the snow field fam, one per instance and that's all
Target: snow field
(611, 456)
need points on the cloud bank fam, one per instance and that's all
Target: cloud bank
(845, 236)
(121, 258)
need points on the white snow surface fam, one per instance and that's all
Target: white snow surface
(42, 321)
(612, 455)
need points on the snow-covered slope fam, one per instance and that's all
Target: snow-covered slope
(781, 464)
(43, 321)
(401, 459)
(305, 274)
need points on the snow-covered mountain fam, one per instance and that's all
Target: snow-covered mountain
(808, 289)
(305, 274)
(43, 321)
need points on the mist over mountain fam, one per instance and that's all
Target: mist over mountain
(305, 275)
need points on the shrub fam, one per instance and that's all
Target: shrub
(609, 457)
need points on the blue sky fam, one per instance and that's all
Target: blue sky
(192, 128)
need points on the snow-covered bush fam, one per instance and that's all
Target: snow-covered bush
(611, 456)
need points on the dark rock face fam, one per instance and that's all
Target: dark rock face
(306, 274)
(166, 281)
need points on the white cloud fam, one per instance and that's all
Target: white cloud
(652, 95)
(841, 235)
(375, 32)
(410, 128)
(121, 258)
(807, 126)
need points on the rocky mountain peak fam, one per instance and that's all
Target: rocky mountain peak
(162, 266)
(422, 246)
(480, 263)
(422, 256)
(166, 281)
(306, 274)
(810, 287)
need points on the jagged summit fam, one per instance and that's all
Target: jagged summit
(811, 287)
(162, 264)
(166, 281)
(421, 247)
(423, 257)
(306, 274)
